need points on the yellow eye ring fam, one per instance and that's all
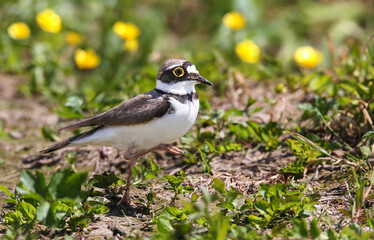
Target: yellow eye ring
(178, 72)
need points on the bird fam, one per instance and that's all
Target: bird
(148, 122)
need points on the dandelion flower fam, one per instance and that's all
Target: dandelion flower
(131, 45)
(18, 30)
(49, 21)
(86, 59)
(234, 20)
(248, 51)
(73, 38)
(307, 57)
(126, 30)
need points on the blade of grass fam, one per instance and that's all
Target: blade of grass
(303, 139)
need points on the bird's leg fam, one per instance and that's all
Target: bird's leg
(126, 195)
(132, 157)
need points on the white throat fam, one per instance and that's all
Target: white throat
(180, 88)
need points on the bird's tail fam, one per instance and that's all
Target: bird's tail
(69, 141)
(63, 144)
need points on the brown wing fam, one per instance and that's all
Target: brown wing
(140, 109)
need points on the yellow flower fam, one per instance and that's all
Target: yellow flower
(18, 30)
(73, 38)
(86, 59)
(131, 45)
(248, 51)
(234, 20)
(126, 30)
(307, 57)
(49, 21)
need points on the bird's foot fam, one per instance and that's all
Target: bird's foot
(171, 149)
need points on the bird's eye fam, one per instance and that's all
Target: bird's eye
(178, 72)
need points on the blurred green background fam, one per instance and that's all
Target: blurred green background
(192, 30)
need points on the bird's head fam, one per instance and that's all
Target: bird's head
(179, 77)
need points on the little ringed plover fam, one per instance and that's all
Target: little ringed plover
(147, 122)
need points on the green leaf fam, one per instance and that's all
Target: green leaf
(13, 217)
(3, 134)
(288, 205)
(151, 196)
(332, 234)
(55, 183)
(319, 82)
(275, 204)
(104, 181)
(74, 103)
(306, 107)
(366, 151)
(71, 157)
(201, 221)
(256, 220)
(314, 229)
(5, 190)
(100, 209)
(11, 200)
(233, 112)
(164, 225)
(173, 211)
(247, 205)
(149, 175)
(28, 211)
(372, 178)
(67, 185)
(368, 134)
(49, 134)
(359, 198)
(43, 211)
(219, 185)
(35, 184)
(220, 225)
(67, 112)
(262, 207)
(188, 189)
(309, 142)
(233, 194)
(300, 229)
(46, 214)
(194, 197)
(80, 222)
(229, 205)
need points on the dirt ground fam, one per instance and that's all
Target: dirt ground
(23, 118)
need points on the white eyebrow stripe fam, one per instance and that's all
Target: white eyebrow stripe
(192, 69)
(172, 66)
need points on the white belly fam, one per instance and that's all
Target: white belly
(143, 136)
